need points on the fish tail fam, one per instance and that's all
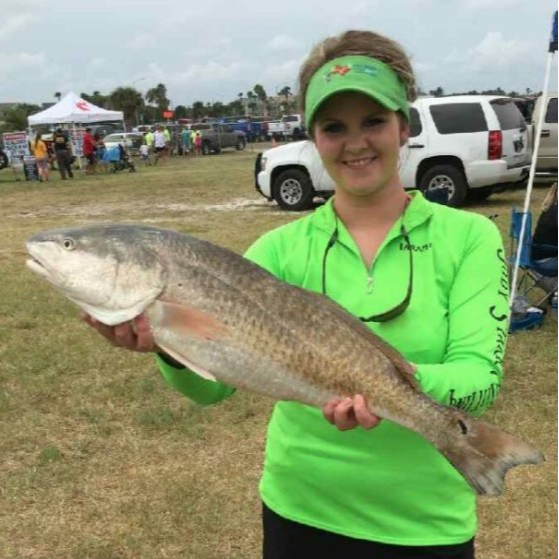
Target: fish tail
(483, 454)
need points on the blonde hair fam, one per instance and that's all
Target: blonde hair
(551, 198)
(365, 43)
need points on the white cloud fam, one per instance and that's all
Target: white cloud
(493, 51)
(12, 24)
(490, 4)
(283, 42)
(141, 41)
(20, 61)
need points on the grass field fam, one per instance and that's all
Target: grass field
(101, 460)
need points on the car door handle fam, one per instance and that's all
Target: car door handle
(415, 146)
(545, 134)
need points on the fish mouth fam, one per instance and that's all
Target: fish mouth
(35, 264)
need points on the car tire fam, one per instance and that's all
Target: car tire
(447, 176)
(4, 162)
(241, 144)
(206, 148)
(293, 190)
(479, 194)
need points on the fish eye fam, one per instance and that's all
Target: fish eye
(68, 244)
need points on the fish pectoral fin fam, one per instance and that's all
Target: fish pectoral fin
(189, 321)
(189, 364)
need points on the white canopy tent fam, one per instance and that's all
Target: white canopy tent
(73, 110)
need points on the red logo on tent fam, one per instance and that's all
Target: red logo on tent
(82, 105)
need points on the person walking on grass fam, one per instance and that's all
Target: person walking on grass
(41, 154)
(428, 279)
(159, 145)
(63, 153)
(89, 147)
(186, 142)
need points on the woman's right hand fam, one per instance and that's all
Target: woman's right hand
(134, 335)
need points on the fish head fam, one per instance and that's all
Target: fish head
(108, 271)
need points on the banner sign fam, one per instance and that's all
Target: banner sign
(30, 168)
(168, 114)
(76, 138)
(15, 145)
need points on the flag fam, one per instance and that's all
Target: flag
(553, 39)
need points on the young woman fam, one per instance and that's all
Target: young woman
(40, 151)
(428, 279)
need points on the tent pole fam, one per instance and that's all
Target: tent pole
(79, 156)
(537, 136)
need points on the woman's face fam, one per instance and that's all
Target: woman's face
(359, 143)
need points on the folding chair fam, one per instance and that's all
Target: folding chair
(535, 274)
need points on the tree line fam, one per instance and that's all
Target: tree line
(149, 108)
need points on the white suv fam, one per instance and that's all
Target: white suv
(471, 144)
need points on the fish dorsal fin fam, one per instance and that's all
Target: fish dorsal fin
(405, 369)
(189, 364)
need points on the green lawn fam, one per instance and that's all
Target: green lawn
(100, 460)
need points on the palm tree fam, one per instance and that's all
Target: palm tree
(58, 95)
(129, 101)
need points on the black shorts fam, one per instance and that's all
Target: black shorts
(284, 539)
(90, 158)
(160, 150)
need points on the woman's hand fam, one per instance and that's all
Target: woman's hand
(134, 335)
(348, 413)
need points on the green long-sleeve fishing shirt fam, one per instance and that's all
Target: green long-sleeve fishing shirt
(387, 484)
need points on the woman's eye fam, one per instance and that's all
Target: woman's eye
(333, 128)
(370, 122)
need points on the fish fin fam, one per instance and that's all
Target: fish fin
(188, 320)
(483, 454)
(189, 364)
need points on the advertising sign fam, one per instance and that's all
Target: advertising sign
(15, 145)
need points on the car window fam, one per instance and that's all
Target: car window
(113, 138)
(508, 114)
(551, 113)
(290, 119)
(415, 123)
(458, 118)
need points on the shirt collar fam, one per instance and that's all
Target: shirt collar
(417, 212)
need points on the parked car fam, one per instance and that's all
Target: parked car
(293, 127)
(470, 144)
(131, 141)
(216, 137)
(546, 163)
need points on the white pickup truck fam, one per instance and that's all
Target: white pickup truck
(289, 127)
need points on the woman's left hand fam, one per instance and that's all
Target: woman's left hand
(348, 413)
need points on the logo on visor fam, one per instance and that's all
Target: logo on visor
(367, 69)
(341, 70)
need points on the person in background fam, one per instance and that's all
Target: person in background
(41, 154)
(149, 142)
(63, 153)
(198, 143)
(168, 141)
(186, 141)
(544, 241)
(144, 151)
(339, 482)
(159, 145)
(89, 147)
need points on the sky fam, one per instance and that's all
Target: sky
(212, 50)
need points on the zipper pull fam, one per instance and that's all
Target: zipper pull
(369, 285)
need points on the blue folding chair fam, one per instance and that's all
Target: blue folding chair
(534, 273)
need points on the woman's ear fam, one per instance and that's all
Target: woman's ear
(404, 131)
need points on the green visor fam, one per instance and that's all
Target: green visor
(356, 73)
